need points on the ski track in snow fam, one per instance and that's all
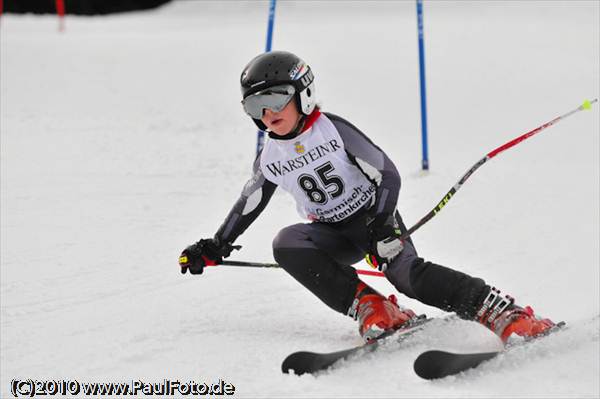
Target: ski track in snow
(122, 141)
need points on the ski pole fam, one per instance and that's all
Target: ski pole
(585, 106)
(275, 265)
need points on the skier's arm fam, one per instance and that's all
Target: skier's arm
(254, 198)
(256, 194)
(375, 165)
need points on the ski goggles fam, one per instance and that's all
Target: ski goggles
(275, 98)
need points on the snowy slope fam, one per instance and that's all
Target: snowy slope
(122, 141)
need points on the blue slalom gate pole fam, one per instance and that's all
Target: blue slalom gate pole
(270, 26)
(260, 135)
(425, 155)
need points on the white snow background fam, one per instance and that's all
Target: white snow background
(123, 141)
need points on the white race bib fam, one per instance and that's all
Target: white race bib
(316, 170)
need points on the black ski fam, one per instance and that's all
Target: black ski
(439, 364)
(312, 362)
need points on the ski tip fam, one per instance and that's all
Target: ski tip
(287, 369)
(427, 365)
(434, 364)
(297, 363)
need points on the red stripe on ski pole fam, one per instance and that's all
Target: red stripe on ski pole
(449, 195)
(522, 138)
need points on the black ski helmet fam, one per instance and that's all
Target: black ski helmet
(276, 68)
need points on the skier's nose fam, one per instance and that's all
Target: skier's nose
(268, 112)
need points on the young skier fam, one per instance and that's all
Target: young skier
(348, 188)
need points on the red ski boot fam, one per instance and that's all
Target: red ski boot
(503, 317)
(376, 314)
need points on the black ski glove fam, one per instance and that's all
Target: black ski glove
(384, 242)
(205, 252)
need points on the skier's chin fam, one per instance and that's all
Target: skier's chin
(279, 129)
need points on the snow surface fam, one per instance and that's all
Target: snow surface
(123, 141)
